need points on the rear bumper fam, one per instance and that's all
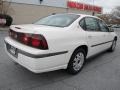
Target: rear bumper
(38, 63)
(41, 55)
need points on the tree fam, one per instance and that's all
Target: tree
(109, 19)
(4, 6)
(113, 17)
(5, 19)
(106, 18)
(116, 12)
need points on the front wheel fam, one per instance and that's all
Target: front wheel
(76, 62)
(112, 48)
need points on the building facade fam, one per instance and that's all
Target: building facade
(28, 11)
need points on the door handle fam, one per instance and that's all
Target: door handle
(90, 36)
(104, 35)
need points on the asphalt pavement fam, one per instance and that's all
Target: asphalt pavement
(101, 72)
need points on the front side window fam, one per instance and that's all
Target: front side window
(103, 26)
(91, 24)
(58, 20)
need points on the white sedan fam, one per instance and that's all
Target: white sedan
(59, 41)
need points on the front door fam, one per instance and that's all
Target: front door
(95, 37)
(108, 35)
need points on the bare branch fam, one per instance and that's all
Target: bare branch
(4, 6)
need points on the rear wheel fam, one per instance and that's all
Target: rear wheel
(15, 63)
(77, 61)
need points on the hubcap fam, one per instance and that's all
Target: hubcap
(78, 61)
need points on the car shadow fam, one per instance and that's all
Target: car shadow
(22, 77)
(95, 57)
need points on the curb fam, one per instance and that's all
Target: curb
(4, 28)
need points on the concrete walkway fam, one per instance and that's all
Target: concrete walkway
(4, 28)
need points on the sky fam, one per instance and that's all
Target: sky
(107, 5)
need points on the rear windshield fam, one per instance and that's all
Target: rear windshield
(58, 20)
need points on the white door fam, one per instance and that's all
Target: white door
(95, 37)
(108, 35)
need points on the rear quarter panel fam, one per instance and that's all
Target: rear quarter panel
(66, 40)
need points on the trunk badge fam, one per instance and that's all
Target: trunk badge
(17, 27)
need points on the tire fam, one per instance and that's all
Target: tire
(113, 46)
(15, 63)
(76, 62)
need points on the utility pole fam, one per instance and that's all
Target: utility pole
(1, 6)
(67, 6)
(93, 13)
(40, 1)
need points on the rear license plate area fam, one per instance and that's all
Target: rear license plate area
(12, 50)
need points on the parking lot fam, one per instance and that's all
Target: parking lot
(101, 72)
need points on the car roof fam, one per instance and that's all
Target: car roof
(82, 15)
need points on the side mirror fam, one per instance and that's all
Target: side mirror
(111, 29)
(109, 26)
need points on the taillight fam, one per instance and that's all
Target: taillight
(25, 38)
(10, 33)
(33, 40)
(39, 41)
(13, 34)
(36, 41)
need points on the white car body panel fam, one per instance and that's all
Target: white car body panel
(58, 39)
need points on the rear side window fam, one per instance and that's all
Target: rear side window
(82, 24)
(91, 24)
